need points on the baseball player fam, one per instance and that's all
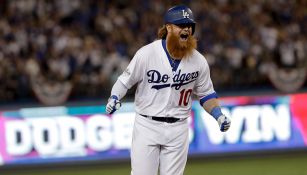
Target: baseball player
(167, 72)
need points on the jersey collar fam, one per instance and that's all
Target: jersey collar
(174, 63)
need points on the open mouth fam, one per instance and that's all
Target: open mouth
(184, 37)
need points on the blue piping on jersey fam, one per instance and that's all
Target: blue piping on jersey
(176, 62)
(207, 97)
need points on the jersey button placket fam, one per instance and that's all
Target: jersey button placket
(170, 99)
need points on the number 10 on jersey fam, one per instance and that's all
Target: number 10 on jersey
(184, 97)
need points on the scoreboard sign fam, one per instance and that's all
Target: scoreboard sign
(66, 134)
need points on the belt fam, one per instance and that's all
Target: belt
(164, 119)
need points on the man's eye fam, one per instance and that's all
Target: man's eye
(184, 25)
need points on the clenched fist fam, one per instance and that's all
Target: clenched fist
(224, 123)
(113, 104)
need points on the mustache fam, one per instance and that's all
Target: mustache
(180, 49)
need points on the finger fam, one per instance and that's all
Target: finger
(113, 110)
(109, 109)
(226, 128)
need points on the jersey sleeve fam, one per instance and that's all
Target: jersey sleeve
(133, 72)
(204, 88)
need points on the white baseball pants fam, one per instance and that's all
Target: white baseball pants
(159, 146)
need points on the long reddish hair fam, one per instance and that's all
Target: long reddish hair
(162, 32)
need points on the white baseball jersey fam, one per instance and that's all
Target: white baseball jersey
(165, 86)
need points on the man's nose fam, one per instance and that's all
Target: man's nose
(187, 28)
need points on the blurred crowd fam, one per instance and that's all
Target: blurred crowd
(85, 45)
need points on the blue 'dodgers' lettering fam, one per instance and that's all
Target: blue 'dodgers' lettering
(179, 79)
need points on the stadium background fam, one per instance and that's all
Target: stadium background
(70, 52)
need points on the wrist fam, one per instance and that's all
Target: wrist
(114, 97)
(216, 112)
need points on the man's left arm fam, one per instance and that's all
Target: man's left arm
(213, 108)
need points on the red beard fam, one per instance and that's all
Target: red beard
(179, 49)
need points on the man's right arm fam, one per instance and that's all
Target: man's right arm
(125, 81)
(119, 90)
